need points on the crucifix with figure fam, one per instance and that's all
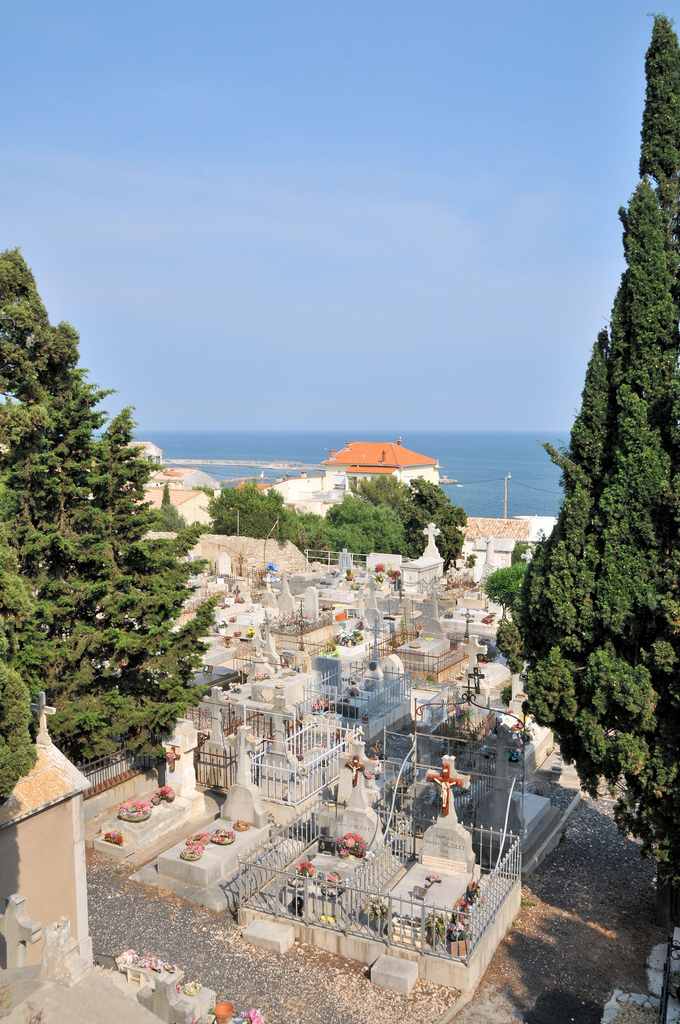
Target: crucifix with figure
(446, 781)
(44, 739)
(355, 767)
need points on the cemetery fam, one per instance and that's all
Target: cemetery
(351, 782)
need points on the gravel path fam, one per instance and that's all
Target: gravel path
(305, 986)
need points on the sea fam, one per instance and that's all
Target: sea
(478, 460)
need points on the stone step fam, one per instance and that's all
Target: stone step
(550, 823)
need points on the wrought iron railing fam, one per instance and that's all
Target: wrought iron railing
(351, 700)
(319, 749)
(670, 974)
(107, 769)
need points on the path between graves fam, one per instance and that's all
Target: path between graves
(585, 928)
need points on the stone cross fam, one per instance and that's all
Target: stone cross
(431, 551)
(435, 627)
(355, 767)
(473, 649)
(43, 709)
(18, 929)
(242, 742)
(345, 560)
(504, 742)
(372, 615)
(286, 601)
(215, 701)
(448, 781)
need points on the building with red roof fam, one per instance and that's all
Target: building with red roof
(361, 459)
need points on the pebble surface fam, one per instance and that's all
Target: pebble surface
(304, 985)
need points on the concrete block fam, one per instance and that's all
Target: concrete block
(394, 974)
(269, 935)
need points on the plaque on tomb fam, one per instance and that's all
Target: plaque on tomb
(419, 892)
(328, 845)
(266, 694)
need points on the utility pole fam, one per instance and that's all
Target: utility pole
(505, 495)
(238, 521)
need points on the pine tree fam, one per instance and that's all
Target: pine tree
(170, 519)
(101, 639)
(599, 613)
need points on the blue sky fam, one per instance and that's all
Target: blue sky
(289, 214)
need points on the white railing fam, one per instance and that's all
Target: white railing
(323, 748)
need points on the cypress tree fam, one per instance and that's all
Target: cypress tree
(599, 614)
(101, 640)
(169, 517)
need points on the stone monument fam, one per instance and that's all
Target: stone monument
(286, 601)
(243, 798)
(359, 816)
(311, 603)
(447, 844)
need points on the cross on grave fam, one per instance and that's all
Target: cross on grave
(372, 614)
(504, 741)
(43, 709)
(431, 551)
(446, 782)
(355, 767)
(18, 929)
(473, 649)
(215, 701)
(435, 625)
(242, 742)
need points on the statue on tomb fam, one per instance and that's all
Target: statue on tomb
(447, 781)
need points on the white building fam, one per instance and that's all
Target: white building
(364, 459)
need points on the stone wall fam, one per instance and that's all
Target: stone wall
(254, 552)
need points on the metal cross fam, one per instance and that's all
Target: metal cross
(43, 709)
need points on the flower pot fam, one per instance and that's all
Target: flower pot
(223, 1013)
(459, 948)
(238, 633)
(243, 827)
(343, 856)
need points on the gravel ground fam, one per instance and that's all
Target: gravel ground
(585, 928)
(305, 986)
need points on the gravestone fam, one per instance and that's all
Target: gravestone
(243, 798)
(223, 565)
(164, 1000)
(447, 844)
(182, 776)
(345, 561)
(61, 960)
(286, 600)
(17, 929)
(429, 566)
(268, 600)
(435, 625)
(372, 614)
(44, 739)
(357, 749)
(311, 602)
(216, 702)
(359, 816)
(494, 804)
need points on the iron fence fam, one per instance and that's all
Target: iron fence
(331, 558)
(316, 753)
(669, 985)
(107, 770)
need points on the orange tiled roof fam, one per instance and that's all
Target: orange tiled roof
(51, 779)
(478, 526)
(369, 469)
(377, 453)
(154, 496)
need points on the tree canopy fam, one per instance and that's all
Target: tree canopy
(504, 585)
(101, 639)
(599, 612)
(362, 526)
(426, 503)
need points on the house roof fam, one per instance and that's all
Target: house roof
(369, 469)
(173, 474)
(154, 496)
(478, 526)
(362, 454)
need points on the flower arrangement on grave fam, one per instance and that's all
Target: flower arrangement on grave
(193, 850)
(394, 574)
(166, 793)
(349, 575)
(435, 927)
(232, 618)
(333, 878)
(457, 929)
(223, 837)
(239, 600)
(379, 579)
(192, 988)
(355, 586)
(114, 837)
(250, 633)
(353, 691)
(379, 567)
(240, 825)
(432, 880)
(473, 894)
(378, 909)
(305, 869)
(171, 757)
(154, 963)
(524, 732)
(351, 844)
(318, 707)
(127, 958)
(358, 635)
(255, 1017)
(487, 751)
(135, 810)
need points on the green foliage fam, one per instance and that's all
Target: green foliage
(100, 640)
(519, 550)
(506, 694)
(504, 585)
(384, 489)
(258, 512)
(426, 503)
(361, 526)
(509, 642)
(169, 518)
(599, 612)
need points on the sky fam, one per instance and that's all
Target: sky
(286, 214)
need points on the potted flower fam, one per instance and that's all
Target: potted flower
(379, 567)
(250, 633)
(378, 909)
(223, 837)
(435, 928)
(241, 826)
(305, 869)
(457, 934)
(135, 810)
(349, 575)
(379, 579)
(351, 844)
(165, 793)
(114, 837)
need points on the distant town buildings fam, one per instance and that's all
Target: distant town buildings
(182, 479)
(363, 459)
(193, 505)
(150, 450)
